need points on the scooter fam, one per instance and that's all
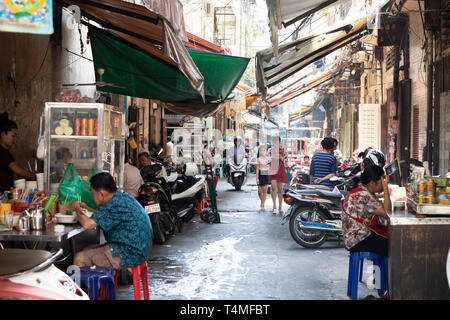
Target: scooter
(315, 212)
(238, 173)
(154, 195)
(31, 274)
(187, 191)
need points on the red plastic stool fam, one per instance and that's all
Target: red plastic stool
(139, 272)
(202, 205)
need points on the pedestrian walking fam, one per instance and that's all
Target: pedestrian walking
(262, 175)
(277, 173)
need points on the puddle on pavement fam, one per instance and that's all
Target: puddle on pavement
(208, 273)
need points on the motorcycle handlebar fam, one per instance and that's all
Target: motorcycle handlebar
(349, 180)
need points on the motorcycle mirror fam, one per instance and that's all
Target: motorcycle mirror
(347, 173)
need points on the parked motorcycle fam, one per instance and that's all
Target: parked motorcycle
(300, 175)
(237, 176)
(315, 211)
(187, 191)
(154, 195)
(31, 274)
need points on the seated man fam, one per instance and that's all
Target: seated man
(126, 226)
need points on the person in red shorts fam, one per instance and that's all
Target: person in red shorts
(277, 173)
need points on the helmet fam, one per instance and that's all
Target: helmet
(337, 154)
(190, 169)
(374, 157)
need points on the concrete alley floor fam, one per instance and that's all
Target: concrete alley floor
(248, 256)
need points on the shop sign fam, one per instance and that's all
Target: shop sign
(393, 127)
(26, 16)
(392, 109)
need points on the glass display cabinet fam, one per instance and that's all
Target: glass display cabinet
(89, 135)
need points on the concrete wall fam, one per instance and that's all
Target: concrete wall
(32, 69)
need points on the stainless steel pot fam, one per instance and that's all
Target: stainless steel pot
(38, 218)
(24, 223)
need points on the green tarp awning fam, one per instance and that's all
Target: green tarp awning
(129, 71)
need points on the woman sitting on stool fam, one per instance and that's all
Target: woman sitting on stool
(361, 211)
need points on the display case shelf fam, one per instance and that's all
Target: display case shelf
(97, 140)
(55, 136)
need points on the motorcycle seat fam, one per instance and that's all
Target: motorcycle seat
(14, 261)
(330, 194)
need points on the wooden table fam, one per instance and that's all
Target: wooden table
(418, 257)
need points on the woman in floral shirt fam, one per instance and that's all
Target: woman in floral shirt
(361, 209)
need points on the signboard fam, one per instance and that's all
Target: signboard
(26, 16)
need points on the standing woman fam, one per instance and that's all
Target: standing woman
(277, 173)
(8, 165)
(262, 175)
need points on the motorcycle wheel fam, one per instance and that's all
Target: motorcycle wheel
(189, 215)
(307, 238)
(168, 218)
(158, 232)
(179, 225)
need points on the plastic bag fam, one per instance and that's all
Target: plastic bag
(70, 187)
(86, 195)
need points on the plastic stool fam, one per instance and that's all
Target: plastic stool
(139, 272)
(95, 278)
(202, 205)
(355, 270)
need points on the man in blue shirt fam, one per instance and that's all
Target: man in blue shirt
(125, 223)
(324, 164)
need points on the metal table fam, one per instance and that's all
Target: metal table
(418, 257)
(48, 235)
(72, 240)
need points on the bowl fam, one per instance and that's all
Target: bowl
(88, 213)
(65, 218)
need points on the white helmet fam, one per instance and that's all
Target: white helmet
(190, 169)
(337, 154)
(374, 157)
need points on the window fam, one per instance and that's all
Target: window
(224, 26)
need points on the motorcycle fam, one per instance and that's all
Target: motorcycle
(237, 174)
(300, 175)
(187, 191)
(315, 212)
(31, 274)
(154, 195)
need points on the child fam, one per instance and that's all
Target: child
(306, 161)
(262, 175)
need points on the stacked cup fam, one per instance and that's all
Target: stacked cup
(30, 186)
(20, 184)
(40, 181)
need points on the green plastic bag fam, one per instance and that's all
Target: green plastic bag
(86, 195)
(70, 187)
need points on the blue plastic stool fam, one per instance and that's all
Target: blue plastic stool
(95, 278)
(355, 271)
